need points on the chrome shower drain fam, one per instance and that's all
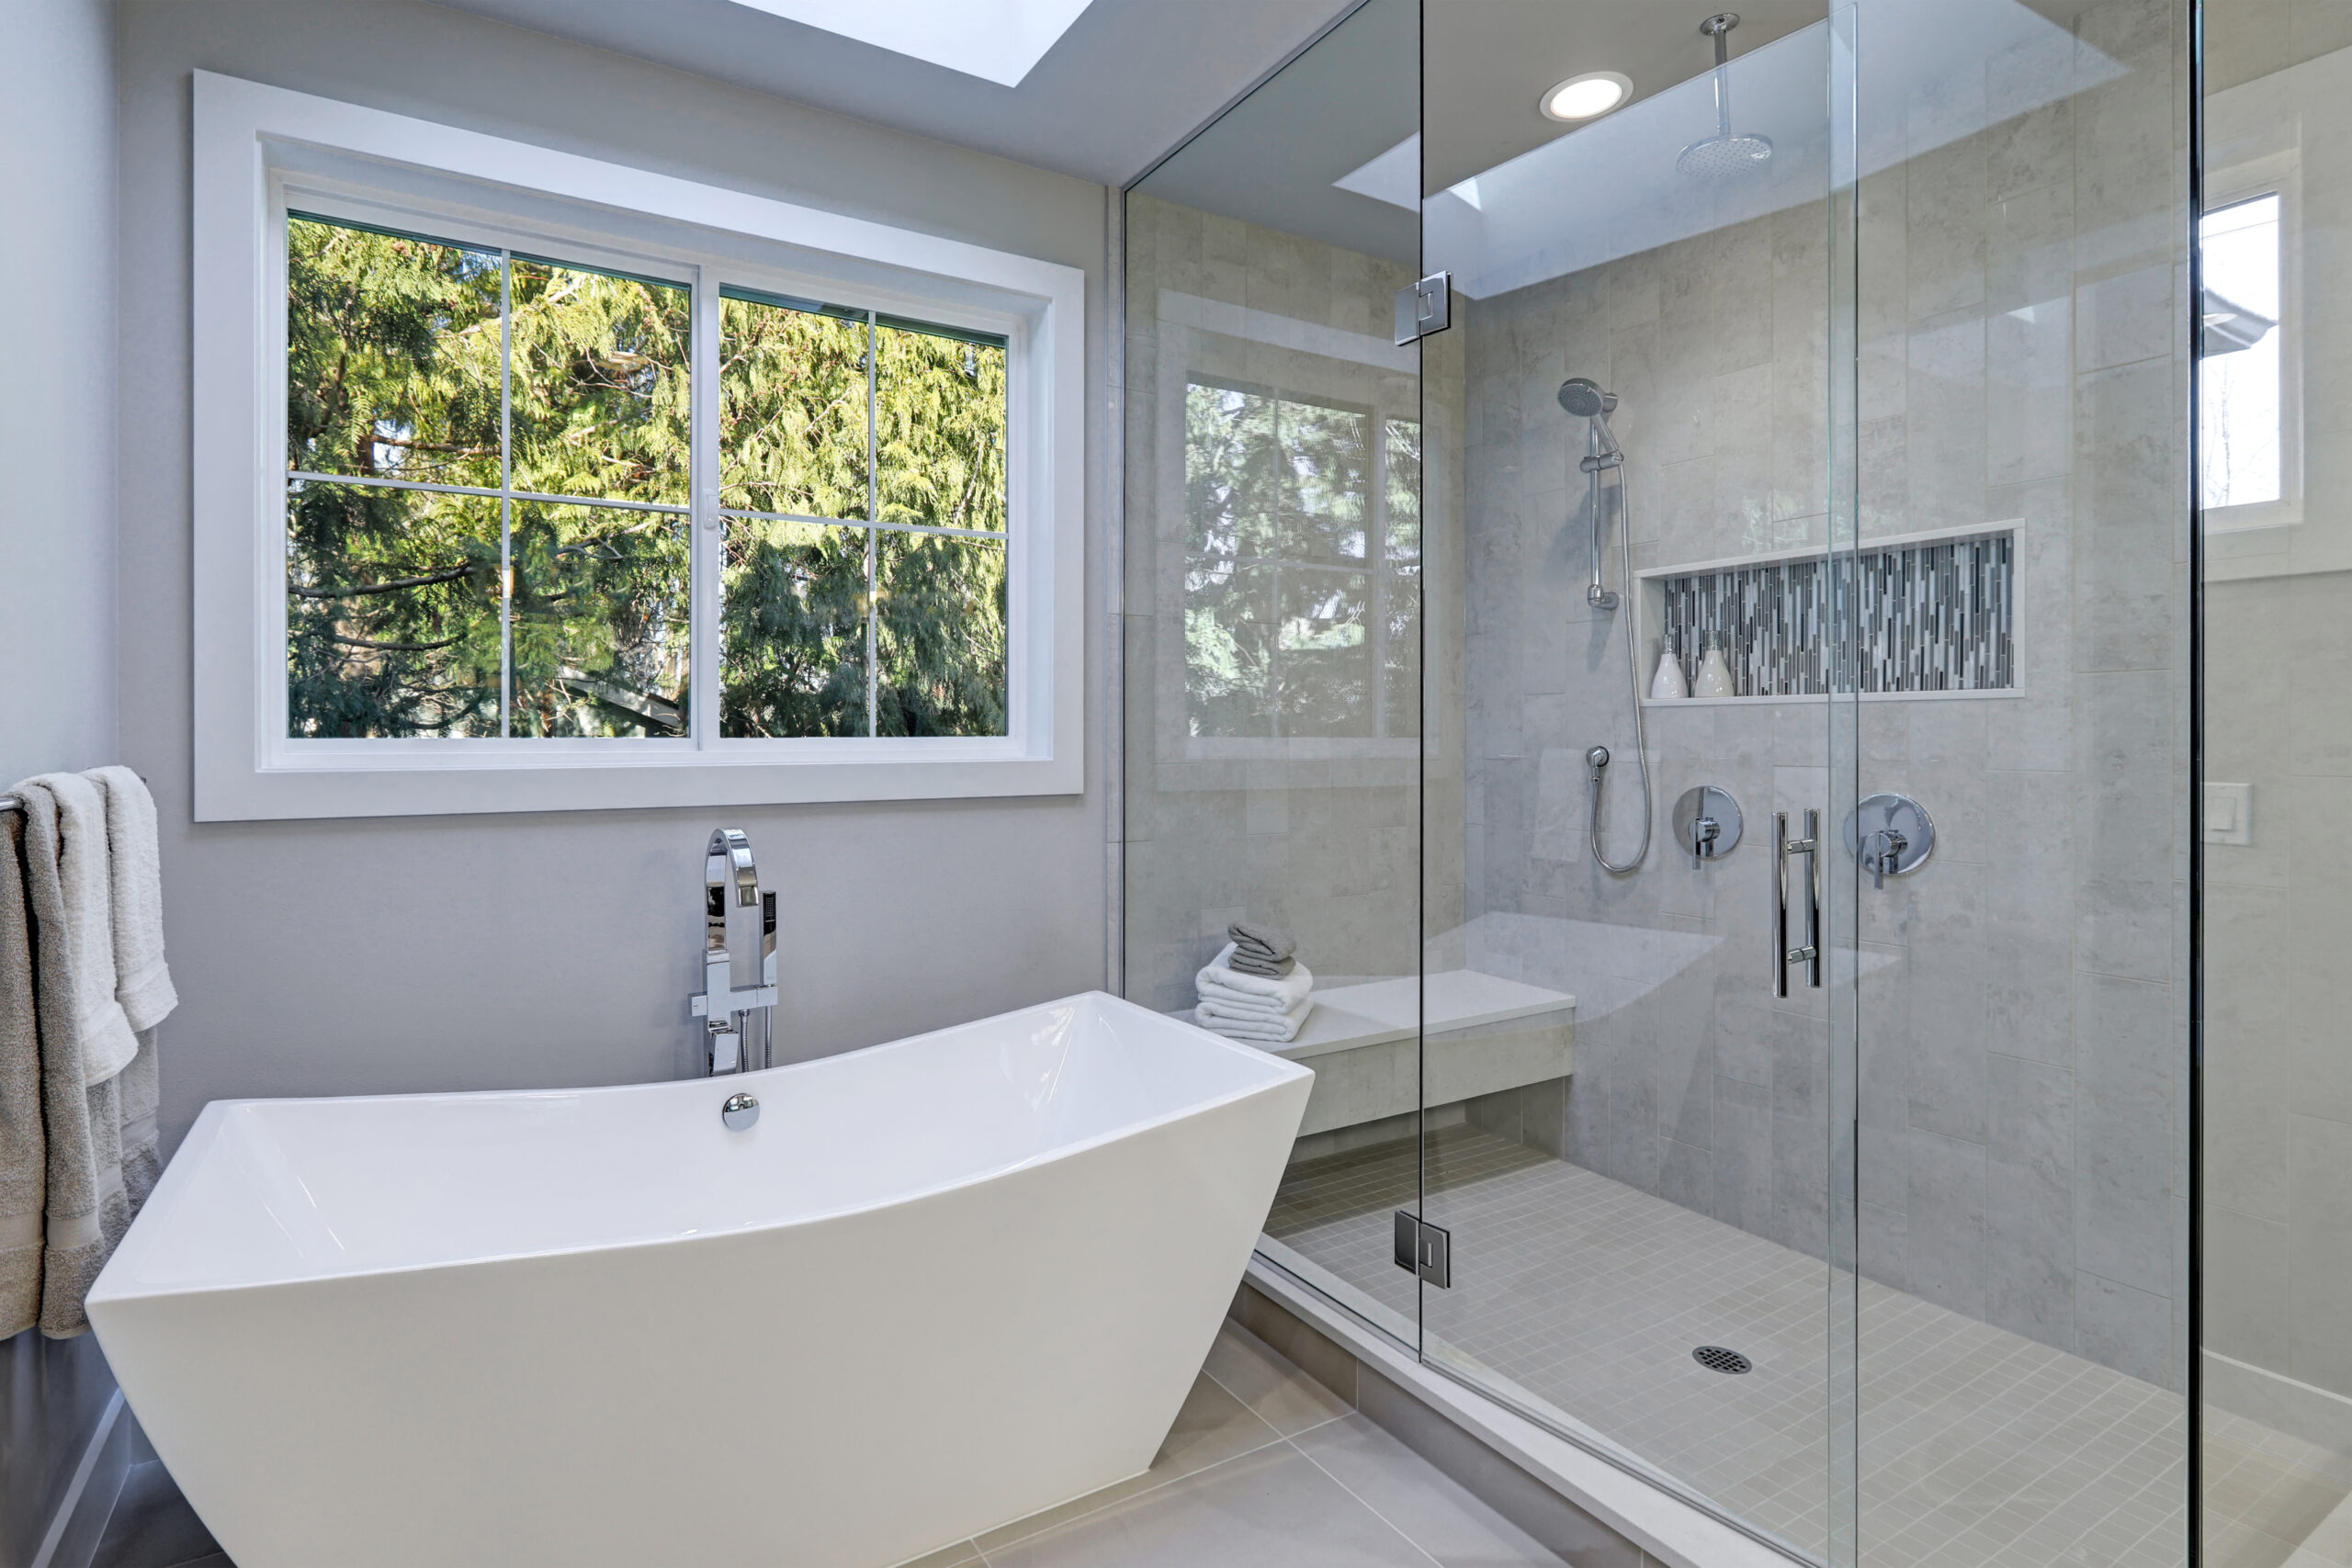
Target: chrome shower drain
(1715, 1359)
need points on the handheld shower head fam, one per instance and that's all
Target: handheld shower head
(1583, 398)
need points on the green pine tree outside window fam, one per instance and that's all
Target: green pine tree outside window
(489, 505)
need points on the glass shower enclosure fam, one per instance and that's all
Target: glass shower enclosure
(1684, 618)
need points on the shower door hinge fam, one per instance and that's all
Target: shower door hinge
(1425, 1250)
(1424, 308)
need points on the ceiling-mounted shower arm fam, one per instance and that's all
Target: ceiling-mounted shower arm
(1718, 27)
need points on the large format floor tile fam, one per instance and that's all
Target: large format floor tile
(152, 1527)
(1267, 1467)
(1274, 1506)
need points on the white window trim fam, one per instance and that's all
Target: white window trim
(252, 141)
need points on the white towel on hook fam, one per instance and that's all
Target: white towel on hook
(141, 982)
(108, 1040)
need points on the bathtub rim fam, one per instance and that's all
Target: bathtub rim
(206, 1131)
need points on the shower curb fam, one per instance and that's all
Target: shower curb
(1433, 1415)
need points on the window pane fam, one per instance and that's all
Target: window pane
(600, 384)
(1230, 630)
(391, 355)
(1232, 473)
(392, 613)
(2239, 388)
(939, 408)
(1326, 481)
(1325, 660)
(940, 635)
(792, 411)
(794, 661)
(599, 621)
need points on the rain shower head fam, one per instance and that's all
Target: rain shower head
(1583, 398)
(1724, 154)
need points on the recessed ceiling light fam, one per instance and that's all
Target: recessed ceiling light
(1581, 98)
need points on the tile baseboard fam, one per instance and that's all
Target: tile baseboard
(2299, 1409)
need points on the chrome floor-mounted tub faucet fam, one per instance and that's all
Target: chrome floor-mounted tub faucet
(728, 1013)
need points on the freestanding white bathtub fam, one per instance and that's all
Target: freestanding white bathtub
(941, 1284)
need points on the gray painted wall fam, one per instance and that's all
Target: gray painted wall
(57, 432)
(57, 564)
(470, 953)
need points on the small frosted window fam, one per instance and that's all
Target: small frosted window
(2241, 430)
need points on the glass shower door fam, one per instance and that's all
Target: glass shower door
(1272, 587)
(1632, 788)
(2020, 625)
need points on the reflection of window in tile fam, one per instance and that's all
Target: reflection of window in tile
(2241, 411)
(1302, 594)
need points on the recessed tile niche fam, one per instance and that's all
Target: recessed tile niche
(1935, 614)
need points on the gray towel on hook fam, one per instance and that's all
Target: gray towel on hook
(98, 1145)
(75, 943)
(23, 1178)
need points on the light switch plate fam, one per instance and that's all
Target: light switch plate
(2229, 814)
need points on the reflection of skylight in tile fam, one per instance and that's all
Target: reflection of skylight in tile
(998, 40)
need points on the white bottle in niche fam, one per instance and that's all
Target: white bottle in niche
(1668, 684)
(1714, 675)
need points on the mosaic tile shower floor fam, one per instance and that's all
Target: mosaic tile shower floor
(1980, 1448)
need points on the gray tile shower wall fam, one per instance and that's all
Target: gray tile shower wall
(2022, 1006)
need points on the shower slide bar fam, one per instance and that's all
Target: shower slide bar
(1809, 953)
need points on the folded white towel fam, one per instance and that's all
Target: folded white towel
(1267, 993)
(1257, 1028)
(108, 1040)
(141, 984)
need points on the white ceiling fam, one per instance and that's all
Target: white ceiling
(1129, 80)
(1489, 63)
(1471, 72)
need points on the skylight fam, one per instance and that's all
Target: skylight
(998, 40)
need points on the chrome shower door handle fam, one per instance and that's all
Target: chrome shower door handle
(1809, 952)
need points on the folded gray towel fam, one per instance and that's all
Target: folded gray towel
(1260, 942)
(1254, 963)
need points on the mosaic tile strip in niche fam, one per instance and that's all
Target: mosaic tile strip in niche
(1933, 617)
